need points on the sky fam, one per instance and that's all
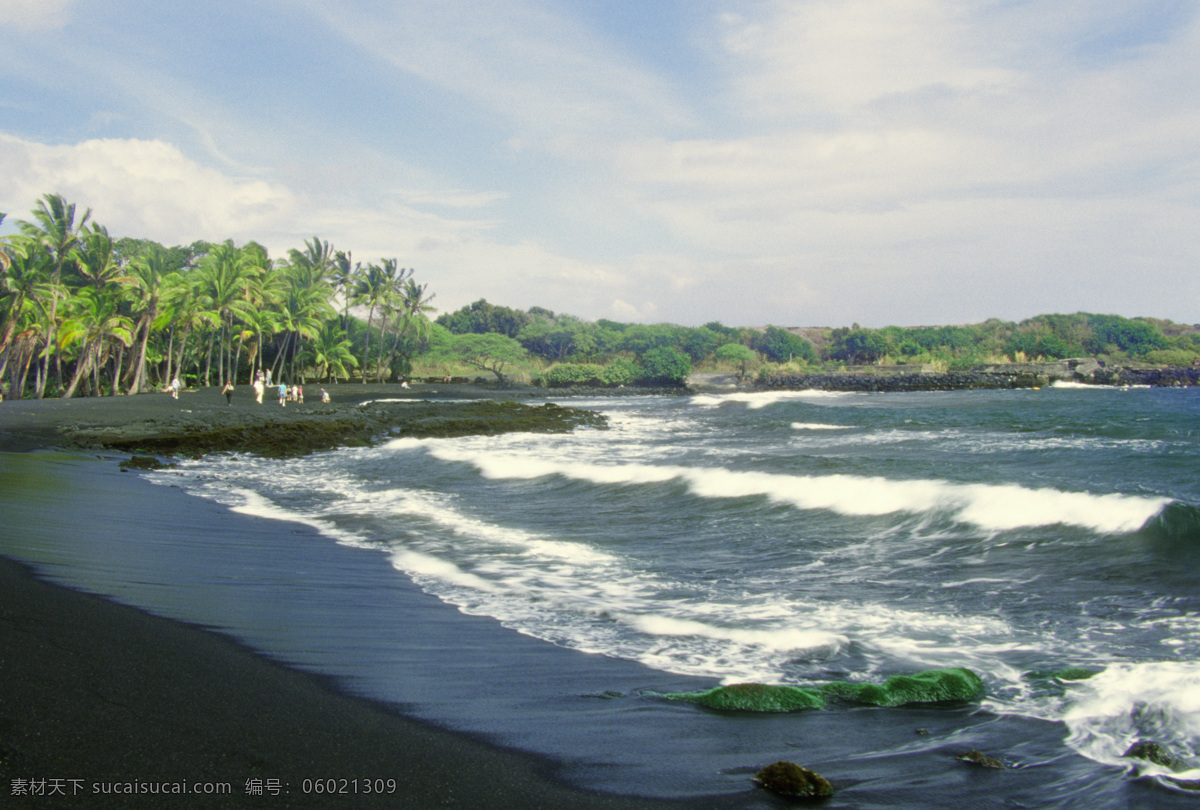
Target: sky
(753, 162)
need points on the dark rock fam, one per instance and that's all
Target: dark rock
(1156, 753)
(279, 432)
(981, 759)
(144, 463)
(791, 780)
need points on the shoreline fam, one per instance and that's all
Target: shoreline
(101, 695)
(75, 504)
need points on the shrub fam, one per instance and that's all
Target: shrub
(563, 374)
(666, 366)
(620, 372)
(1171, 357)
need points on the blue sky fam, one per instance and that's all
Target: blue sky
(788, 162)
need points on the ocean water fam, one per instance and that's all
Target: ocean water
(781, 538)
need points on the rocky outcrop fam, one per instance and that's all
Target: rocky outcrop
(280, 432)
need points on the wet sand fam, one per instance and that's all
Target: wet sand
(97, 696)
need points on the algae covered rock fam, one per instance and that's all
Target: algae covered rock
(931, 686)
(754, 697)
(1075, 674)
(791, 780)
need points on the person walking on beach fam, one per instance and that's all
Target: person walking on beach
(324, 396)
(259, 388)
(283, 392)
(228, 392)
(175, 386)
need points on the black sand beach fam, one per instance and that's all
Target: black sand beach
(97, 697)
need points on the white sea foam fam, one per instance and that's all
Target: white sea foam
(755, 401)
(989, 506)
(817, 426)
(1125, 703)
(783, 639)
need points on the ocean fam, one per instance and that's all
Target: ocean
(545, 591)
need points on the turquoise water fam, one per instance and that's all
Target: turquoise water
(787, 538)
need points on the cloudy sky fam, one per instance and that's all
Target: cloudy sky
(794, 162)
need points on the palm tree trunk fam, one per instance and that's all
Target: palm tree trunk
(116, 378)
(44, 373)
(367, 349)
(81, 370)
(25, 372)
(139, 365)
(170, 352)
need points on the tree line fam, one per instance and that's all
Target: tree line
(82, 312)
(607, 352)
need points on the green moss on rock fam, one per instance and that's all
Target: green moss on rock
(1075, 674)
(931, 686)
(754, 697)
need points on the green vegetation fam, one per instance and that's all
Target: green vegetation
(82, 312)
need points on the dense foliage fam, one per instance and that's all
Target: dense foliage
(80, 310)
(83, 312)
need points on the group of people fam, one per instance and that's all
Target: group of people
(262, 381)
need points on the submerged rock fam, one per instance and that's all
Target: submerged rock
(931, 686)
(143, 463)
(791, 780)
(1075, 674)
(1154, 752)
(981, 759)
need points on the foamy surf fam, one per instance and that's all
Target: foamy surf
(757, 400)
(1128, 703)
(989, 506)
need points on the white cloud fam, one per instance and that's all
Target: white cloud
(143, 188)
(150, 189)
(807, 59)
(35, 15)
(551, 78)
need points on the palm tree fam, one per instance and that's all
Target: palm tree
(223, 279)
(314, 263)
(25, 280)
(96, 259)
(343, 278)
(331, 352)
(96, 323)
(58, 232)
(373, 289)
(148, 277)
(303, 311)
(412, 307)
